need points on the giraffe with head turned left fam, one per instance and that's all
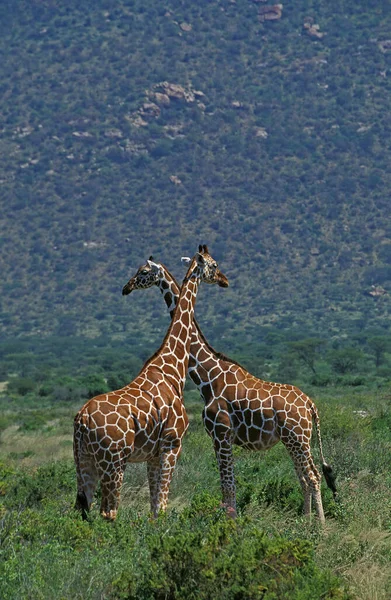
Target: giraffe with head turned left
(145, 420)
(242, 409)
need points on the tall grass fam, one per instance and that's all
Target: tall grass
(48, 552)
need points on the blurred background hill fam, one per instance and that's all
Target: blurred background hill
(131, 128)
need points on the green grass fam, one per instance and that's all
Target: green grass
(271, 551)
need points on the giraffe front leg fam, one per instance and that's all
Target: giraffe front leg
(168, 460)
(223, 450)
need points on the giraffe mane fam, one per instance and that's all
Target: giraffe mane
(168, 332)
(219, 355)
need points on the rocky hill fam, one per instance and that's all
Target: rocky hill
(134, 127)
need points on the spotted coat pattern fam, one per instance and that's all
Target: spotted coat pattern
(244, 410)
(145, 420)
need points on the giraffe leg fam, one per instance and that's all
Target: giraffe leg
(168, 460)
(304, 464)
(313, 479)
(153, 471)
(87, 480)
(223, 450)
(306, 492)
(111, 484)
(217, 423)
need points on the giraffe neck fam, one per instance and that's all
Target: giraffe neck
(202, 357)
(173, 356)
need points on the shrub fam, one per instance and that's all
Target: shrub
(202, 555)
(21, 385)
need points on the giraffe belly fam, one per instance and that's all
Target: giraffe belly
(142, 454)
(254, 430)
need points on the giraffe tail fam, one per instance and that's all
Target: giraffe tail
(80, 428)
(327, 470)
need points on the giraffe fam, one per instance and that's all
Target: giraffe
(242, 409)
(146, 420)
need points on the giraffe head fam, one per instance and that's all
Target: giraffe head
(210, 273)
(152, 273)
(147, 275)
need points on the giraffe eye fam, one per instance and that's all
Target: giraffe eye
(144, 272)
(214, 265)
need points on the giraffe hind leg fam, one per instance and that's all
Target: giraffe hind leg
(111, 485)
(168, 459)
(306, 470)
(87, 480)
(153, 470)
(306, 493)
(224, 455)
(313, 478)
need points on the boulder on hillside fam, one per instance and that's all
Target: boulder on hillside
(270, 13)
(162, 99)
(312, 30)
(385, 45)
(260, 132)
(176, 91)
(136, 120)
(150, 109)
(376, 291)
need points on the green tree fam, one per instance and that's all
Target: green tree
(307, 351)
(378, 346)
(345, 360)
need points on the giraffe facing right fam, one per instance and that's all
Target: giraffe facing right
(244, 410)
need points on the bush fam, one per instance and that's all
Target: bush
(345, 360)
(21, 385)
(47, 482)
(203, 556)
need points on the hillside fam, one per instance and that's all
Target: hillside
(132, 128)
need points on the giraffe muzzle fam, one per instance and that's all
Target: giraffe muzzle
(128, 287)
(222, 281)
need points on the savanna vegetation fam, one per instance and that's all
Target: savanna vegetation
(192, 551)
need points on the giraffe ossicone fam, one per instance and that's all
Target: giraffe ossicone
(146, 420)
(244, 410)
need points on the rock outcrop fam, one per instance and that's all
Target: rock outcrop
(312, 29)
(270, 13)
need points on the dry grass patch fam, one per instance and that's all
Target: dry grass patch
(34, 449)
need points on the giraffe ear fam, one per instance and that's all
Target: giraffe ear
(186, 260)
(206, 251)
(200, 248)
(199, 258)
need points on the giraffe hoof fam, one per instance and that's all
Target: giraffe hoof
(109, 515)
(229, 511)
